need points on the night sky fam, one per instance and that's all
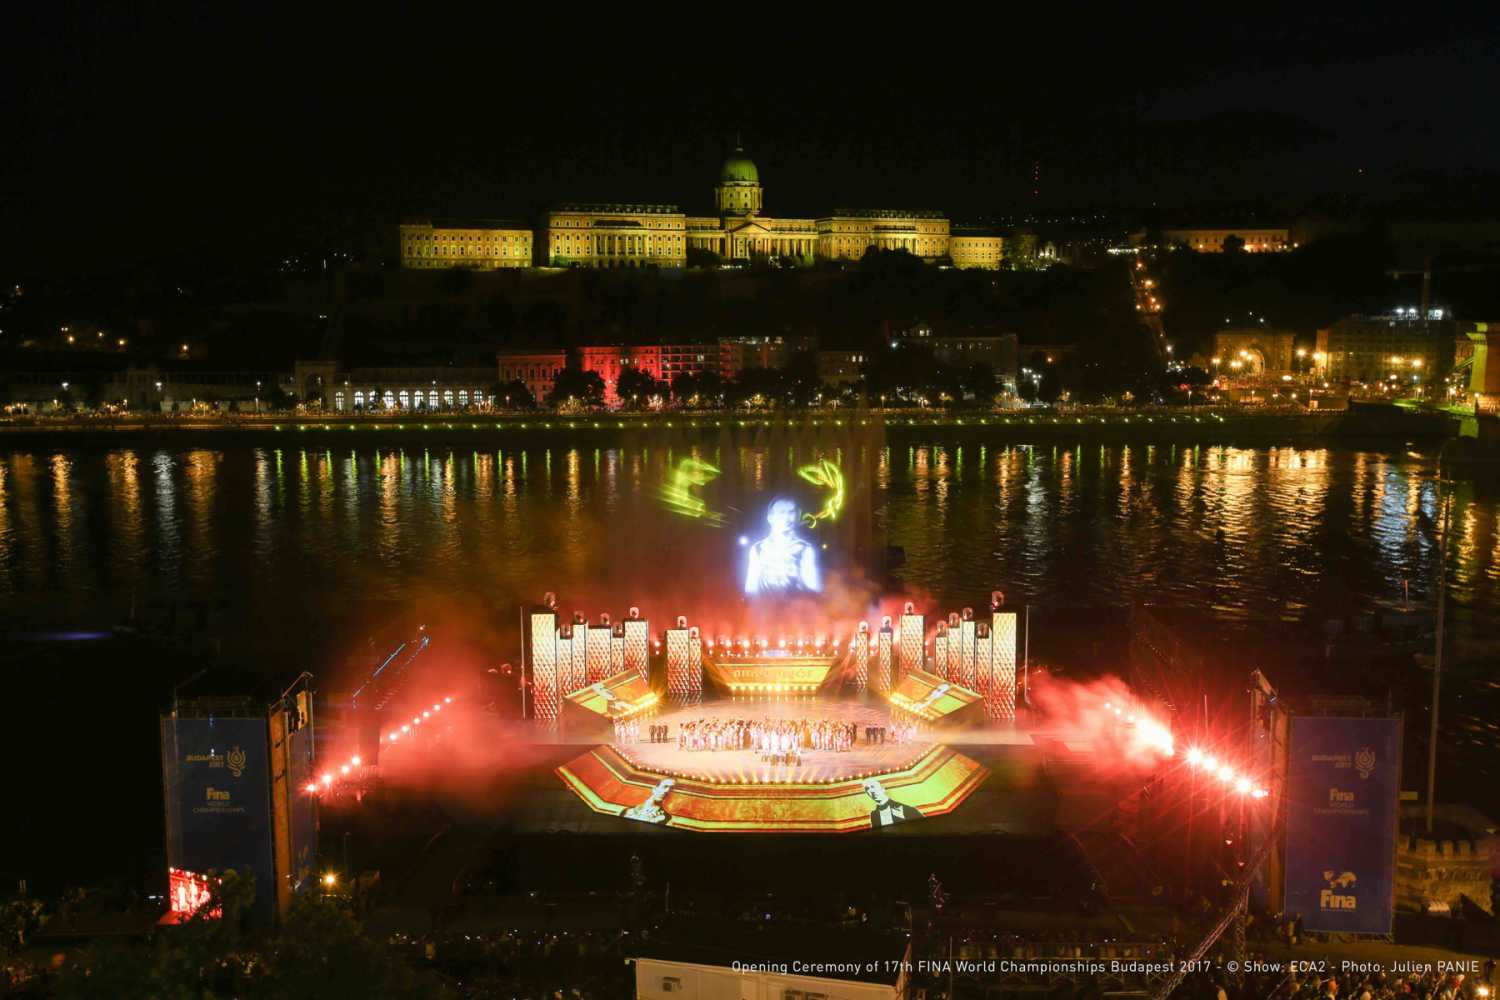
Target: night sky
(135, 138)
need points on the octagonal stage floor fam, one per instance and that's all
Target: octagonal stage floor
(725, 791)
(747, 767)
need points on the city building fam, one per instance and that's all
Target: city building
(737, 354)
(1253, 352)
(999, 352)
(395, 389)
(535, 368)
(621, 235)
(615, 235)
(841, 368)
(1257, 239)
(1400, 348)
(482, 245)
(976, 247)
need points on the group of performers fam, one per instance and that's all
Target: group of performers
(773, 740)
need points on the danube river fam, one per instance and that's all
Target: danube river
(282, 548)
(1250, 533)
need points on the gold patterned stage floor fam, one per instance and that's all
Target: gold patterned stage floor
(933, 784)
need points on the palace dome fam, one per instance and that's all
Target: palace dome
(739, 167)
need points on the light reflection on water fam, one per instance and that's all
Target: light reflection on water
(1254, 533)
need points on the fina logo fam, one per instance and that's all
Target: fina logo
(1328, 899)
(236, 762)
(1364, 762)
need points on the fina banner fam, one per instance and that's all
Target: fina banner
(1343, 777)
(217, 781)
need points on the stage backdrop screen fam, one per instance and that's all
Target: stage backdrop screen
(1342, 783)
(216, 776)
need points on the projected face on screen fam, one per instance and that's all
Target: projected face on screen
(782, 562)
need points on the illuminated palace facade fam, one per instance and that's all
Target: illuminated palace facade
(661, 236)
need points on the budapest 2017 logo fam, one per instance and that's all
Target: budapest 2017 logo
(236, 761)
(1364, 762)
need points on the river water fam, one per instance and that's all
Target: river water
(280, 541)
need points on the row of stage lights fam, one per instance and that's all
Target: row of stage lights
(623, 424)
(1232, 779)
(1157, 737)
(417, 720)
(351, 766)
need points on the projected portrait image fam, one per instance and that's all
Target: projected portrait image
(782, 562)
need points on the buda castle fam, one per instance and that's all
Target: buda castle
(661, 236)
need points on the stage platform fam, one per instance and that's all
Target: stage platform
(746, 765)
(933, 785)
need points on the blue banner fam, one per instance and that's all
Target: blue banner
(1343, 776)
(216, 773)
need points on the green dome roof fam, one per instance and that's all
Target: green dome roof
(739, 167)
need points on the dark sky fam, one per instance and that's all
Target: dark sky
(135, 136)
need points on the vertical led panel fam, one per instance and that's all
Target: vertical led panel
(955, 651)
(984, 663)
(638, 647)
(616, 650)
(966, 639)
(679, 663)
(861, 653)
(596, 653)
(910, 653)
(544, 644)
(1003, 676)
(940, 651)
(695, 663)
(885, 655)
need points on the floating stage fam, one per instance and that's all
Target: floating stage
(637, 693)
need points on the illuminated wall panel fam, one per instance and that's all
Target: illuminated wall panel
(1002, 693)
(861, 651)
(617, 651)
(544, 666)
(596, 653)
(984, 663)
(966, 640)
(911, 652)
(638, 647)
(885, 655)
(955, 654)
(940, 652)
(682, 685)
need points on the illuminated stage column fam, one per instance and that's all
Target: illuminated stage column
(1003, 676)
(596, 652)
(913, 639)
(984, 663)
(940, 651)
(638, 645)
(861, 651)
(966, 653)
(885, 654)
(581, 632)
(564, 660)
(682, 684)
(616, 650)
(544, 666)
(695, 662)
(955, 650)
